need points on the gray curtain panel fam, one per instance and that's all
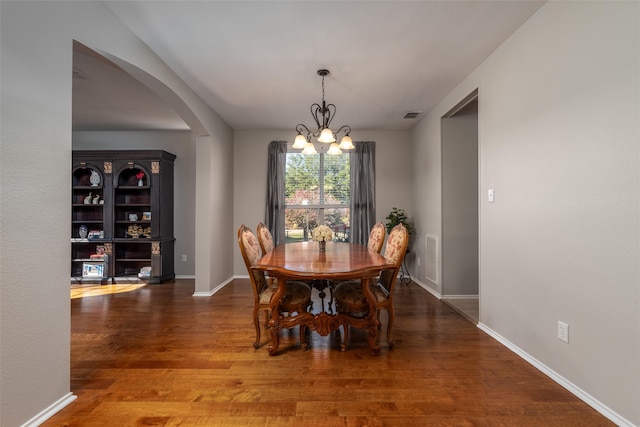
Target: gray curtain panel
(276, 170)
(363, 191)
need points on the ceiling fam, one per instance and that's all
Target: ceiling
(255, 62)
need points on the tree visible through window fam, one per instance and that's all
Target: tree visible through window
(317, 192)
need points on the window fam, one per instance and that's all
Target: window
(317, 191)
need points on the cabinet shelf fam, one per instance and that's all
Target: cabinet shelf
(133, 222)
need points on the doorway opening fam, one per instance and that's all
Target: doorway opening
(460, 221)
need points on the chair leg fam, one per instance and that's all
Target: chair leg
(345, 340)
(390, 342)
(303, 338)
(256, 322)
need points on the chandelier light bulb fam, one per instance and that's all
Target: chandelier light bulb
(334, 149)
(299, 142)
(326, 136)
(346, 143)
(309, 149)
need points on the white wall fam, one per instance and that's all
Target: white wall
(36, 47)
(393, 164)
(183, 145)
(559, 143)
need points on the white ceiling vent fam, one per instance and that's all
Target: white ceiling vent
(412, 114)
(431, 255)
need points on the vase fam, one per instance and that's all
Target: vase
(140, 183)
(83, 231)
(323, 246)
(94, 179)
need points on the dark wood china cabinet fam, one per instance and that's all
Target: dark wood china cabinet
(122, 216)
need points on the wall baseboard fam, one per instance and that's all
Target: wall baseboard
(574, 389)
(216, 289)
(460, 297)
(427, 288)
(51, 410)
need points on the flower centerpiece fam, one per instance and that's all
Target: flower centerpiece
(140, 175)
(322, 234)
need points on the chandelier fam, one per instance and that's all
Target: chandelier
(322, 115)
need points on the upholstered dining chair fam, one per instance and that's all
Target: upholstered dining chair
(297, 295)
(376, 237)
(376, 241)
(351, 300)
(266, 245)
(264, 238)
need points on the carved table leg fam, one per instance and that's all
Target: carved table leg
(372, 318)
(275, 338)
(274, 323)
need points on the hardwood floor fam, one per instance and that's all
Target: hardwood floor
(157, 356)
(467, 307)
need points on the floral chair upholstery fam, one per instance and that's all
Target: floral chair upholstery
(265, 238)
(349, 296)
(376, 237)
(297, 295)
(266, 245)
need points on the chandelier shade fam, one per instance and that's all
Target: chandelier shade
(322, 115)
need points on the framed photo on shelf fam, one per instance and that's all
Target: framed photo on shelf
(92, 269)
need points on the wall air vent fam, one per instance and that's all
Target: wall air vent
(431, 255)
(412, 114)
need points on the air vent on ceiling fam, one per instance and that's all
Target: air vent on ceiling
(412, 114)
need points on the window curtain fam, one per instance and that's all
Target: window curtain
(274, 216)
(363, 191)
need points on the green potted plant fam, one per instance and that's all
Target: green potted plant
(398, 216)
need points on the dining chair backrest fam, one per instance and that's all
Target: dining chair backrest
(376, 237)
(264, 238)
(397, 243)
(250, 250)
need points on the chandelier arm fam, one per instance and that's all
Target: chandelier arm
(329, 113)
(346, 128)
(317, 112)
(300, 128)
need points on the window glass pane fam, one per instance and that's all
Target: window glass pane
(299, 223)
(317, 192)
(338, 220)
(302, 180)
(337, 179)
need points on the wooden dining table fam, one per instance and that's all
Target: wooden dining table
(341, 261)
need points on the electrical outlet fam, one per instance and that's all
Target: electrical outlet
(184, 258)
(418, 262)
(563, 331)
